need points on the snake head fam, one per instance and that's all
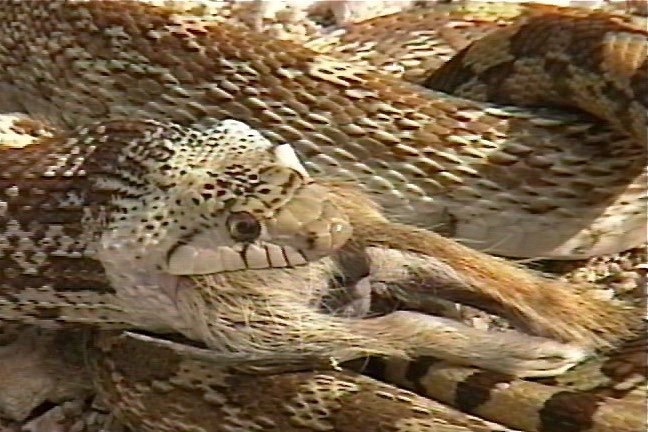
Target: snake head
(216, 198)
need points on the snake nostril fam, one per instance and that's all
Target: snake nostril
(243, 226)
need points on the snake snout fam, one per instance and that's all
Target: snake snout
(311, 224)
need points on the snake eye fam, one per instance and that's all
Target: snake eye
(243, 226)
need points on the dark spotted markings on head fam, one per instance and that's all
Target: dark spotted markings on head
(211, 198)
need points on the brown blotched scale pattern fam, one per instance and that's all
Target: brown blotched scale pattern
(452, 160)
(468, 169)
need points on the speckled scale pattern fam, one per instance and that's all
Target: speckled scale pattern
(46, 233)
(409, 44)
(354, 106)
(52, 219)
(602, 394)
(402, 45)
(53, 215)
(67, 200)
(308, 401)
(601, 70)
(447, 162)
(192, 173)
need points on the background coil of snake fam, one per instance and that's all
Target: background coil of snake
(576, 181)
(427, 148)
(413, 44)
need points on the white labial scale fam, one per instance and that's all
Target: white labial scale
(255, 257)
(276, 256)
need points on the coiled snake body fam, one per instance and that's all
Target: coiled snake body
(169, 160)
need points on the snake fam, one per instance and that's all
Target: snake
(198, 180)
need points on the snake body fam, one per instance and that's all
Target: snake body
(333, 111)
(77, 213)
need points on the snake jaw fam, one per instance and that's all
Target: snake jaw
(306, 228)
(192, 260)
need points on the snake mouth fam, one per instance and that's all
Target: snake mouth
(306, 228)
(288, 241)
(187, 260)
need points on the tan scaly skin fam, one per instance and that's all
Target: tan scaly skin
(95, 213)
(268, 314)
(129, 240)
(472, 169)
(164, 385)
(539, 407)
